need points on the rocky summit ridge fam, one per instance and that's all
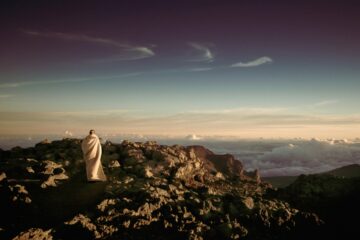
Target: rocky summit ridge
(153, 192)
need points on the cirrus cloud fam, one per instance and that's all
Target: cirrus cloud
(204, 54)
(126, 52)
(69, 80)
(254, 63)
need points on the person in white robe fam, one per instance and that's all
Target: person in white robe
(92, 151)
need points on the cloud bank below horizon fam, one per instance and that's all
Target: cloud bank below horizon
(305, 157)
(241, 122)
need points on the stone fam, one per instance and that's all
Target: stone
(248, 202)
(148, 172)
(2, 176)
(85, 223)
(49, 167)
(219, 176)
(191, 192)
(114, 164)
(34, 234)
(30, 170)
(52, 180)
(106, 203)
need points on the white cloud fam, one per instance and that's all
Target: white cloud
(193, 137)
(242, 110)
(200, 69)
(204, 53)
(69, 80)
(75, 37)
(26, 83)
(68, 133)
(325, 103)
(305, 157)
(125, 51)
(251, 122)
(254, 63)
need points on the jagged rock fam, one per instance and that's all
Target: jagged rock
(254, 175)
(161, 192)
(84, 223)
(53, 173)
(257, 176)
(106, 203)
(52, 180)
(31, 160)
(219, 176)
(248, 202)
(20, 194)
(114, 164)
(2, 176)
(226, 163)
(148, 172)
(50, 166)
(34, 234)
(30, 170)
(19, 189)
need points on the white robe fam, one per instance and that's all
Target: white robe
(91, 149)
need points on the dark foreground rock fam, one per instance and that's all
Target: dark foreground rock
(334, 198)
(153, 192)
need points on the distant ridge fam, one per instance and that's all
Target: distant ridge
(348, 171)
(280, 181)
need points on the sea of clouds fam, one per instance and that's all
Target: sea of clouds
(273, 157)
(295, 157)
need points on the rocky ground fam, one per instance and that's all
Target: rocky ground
(334, 198)
(153, 191)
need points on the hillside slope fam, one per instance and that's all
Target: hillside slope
(153, 191)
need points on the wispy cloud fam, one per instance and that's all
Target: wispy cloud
(200, 69)
(68, 80)
(75, 37)
(325, 103)
(242, 110)
(257, 122)
(254, 63)
(126, 51)
(135, 53)
(204, 53)
(27, 83)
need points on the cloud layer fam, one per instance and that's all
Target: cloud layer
(70, 80)
(254, 63)
(305, 157)
(325, 103)
(242, 122)
(204, 54)
(126, 52)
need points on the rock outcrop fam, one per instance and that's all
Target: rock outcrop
(333, 198)
(153, 191)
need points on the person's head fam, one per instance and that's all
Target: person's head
(92, 131)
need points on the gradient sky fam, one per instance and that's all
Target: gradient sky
(229, 68)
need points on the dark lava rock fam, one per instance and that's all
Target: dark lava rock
(334, 199)
(153, 192)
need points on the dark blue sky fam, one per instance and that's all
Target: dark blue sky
(200, 65)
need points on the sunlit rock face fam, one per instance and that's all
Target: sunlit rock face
(153, 191)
